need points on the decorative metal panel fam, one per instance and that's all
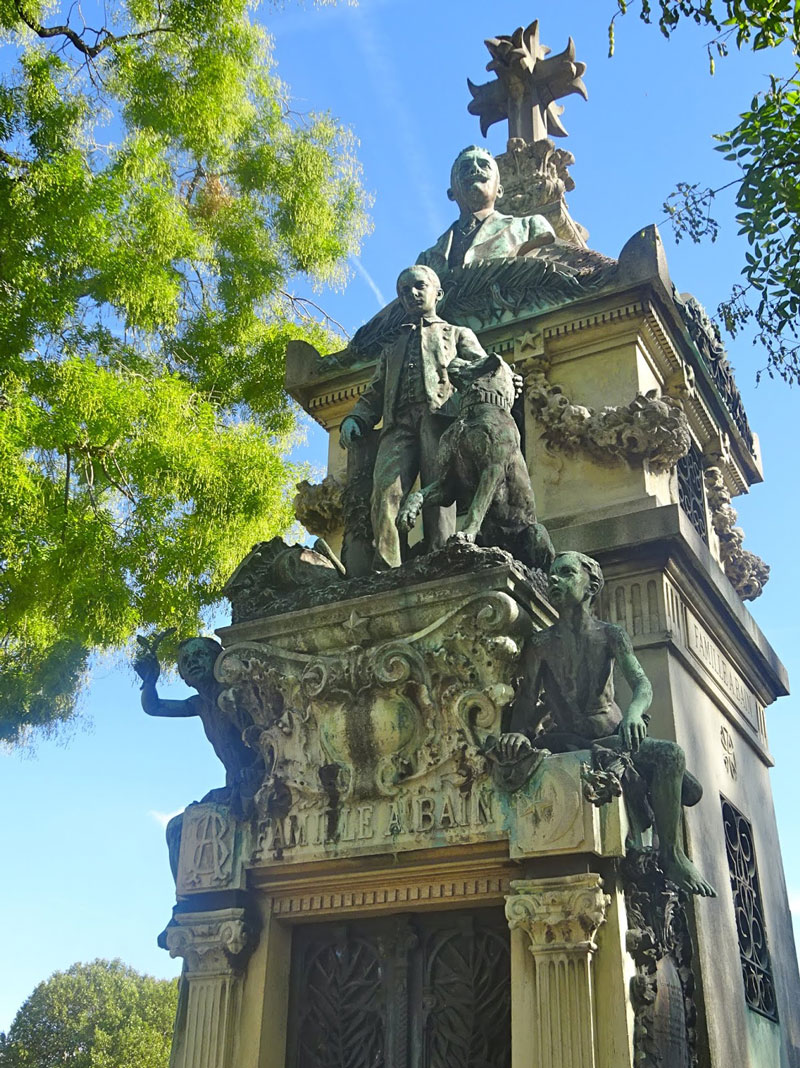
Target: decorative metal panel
(466, 998)
(753, 950)
(341, 1015)
(690, 490)
(405, 992)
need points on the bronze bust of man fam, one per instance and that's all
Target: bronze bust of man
(481, 232)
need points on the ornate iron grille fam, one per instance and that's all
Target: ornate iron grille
(406, 992)
(722, 373)
(342, 1018)
(690, 490)
(706, 335)
(759, 988)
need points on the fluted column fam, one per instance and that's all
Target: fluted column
(215, 947)
(553, 926)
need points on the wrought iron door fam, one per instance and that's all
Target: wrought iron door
(422, 991)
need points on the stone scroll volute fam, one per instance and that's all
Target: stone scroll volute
(381, 721)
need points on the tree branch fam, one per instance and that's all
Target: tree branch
(90, 51)
(67, 479)
(300, 307)
(11, 160)
(122, 489)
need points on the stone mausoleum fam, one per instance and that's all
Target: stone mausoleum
(410, 866)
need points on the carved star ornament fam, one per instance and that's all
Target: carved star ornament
(527, 85)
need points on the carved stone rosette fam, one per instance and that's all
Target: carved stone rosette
(558, 919)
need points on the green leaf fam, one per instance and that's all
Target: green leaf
(145, 318)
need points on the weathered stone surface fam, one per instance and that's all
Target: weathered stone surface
(550, 814)
(212, 943)
(747, 572)
(454, 559)
(651, 428)
(535, 178)
(559, 913)
(392, 709)
(375, 716)
(319, 506)
(211, 850)
(643, 258)
(558, 918)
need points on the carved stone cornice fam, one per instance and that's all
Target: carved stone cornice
(558, 915)
(212, 943)
(479, 882)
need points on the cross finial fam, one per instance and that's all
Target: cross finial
(528, 85)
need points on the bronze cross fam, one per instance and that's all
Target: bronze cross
(527, 85)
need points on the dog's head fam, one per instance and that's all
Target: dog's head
(487, 381)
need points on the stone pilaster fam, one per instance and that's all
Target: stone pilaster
(553, 1005)
(215, 947)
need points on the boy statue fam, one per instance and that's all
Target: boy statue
(411, 391)
(243, 768)
(568, 678)
(196, 659)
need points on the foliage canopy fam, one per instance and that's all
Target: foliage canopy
(158, 202)
(98, 1015)
(765, 147)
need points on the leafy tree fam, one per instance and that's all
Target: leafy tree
(159, 202)
(765, 147)
(98, 1015)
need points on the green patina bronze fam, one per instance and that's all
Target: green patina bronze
(568, 679)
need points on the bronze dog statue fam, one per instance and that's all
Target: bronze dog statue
(481, 466)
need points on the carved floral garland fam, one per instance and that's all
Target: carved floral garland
(651, 428)
(747, 572)
(318, 506)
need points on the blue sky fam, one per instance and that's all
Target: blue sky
(85, 865)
